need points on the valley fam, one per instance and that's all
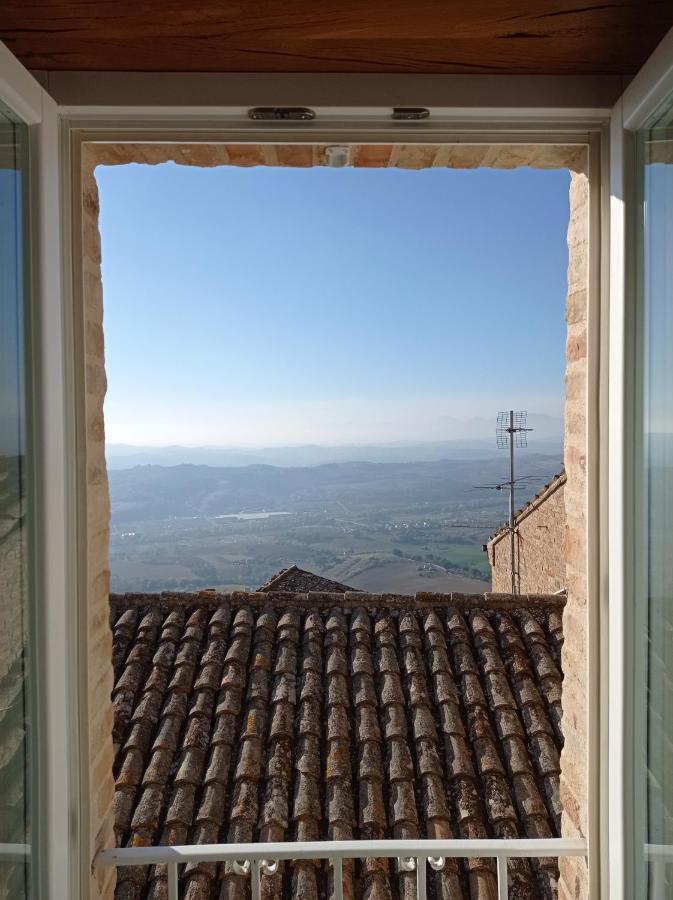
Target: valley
(384, 527)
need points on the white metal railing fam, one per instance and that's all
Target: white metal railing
(257, 859)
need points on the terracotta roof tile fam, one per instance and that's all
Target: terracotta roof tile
(335, 716)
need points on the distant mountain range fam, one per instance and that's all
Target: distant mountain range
(125, 456)
(154, 492)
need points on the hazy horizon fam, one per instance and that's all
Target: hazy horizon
(543, 441)
(544, 428)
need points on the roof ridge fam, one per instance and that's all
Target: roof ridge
(280, 574)
(348, 600)
(296, 580)
(532, 503)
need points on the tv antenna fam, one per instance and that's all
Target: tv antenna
(502, 485)
(511, 432)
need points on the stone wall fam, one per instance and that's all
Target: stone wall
(575, 757)
(539, 545)
(413, 156)
(98, 637)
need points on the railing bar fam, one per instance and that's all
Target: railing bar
(172, 881)
(254, 879)
(453, 848)
(338, 877)
(503, 891)
(421, 866)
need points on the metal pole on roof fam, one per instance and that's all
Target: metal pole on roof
(511, 432)
(511, 500)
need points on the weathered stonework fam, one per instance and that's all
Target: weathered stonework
(412, 156)
(100, 832)
(575, 757)
(539, 545)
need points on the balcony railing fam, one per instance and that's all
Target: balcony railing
(253, 860)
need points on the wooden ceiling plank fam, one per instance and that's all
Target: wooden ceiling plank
(427, 36)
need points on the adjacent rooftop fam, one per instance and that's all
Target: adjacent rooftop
(299, 581)
(530, 505)
(270, 717)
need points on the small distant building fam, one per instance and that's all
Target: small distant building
(298, 581)
(539, 554)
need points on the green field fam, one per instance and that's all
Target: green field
(377, 525)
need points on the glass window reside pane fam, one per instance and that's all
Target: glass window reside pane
(655, 564)
(16, 713)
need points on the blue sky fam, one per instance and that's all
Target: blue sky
(282, 306)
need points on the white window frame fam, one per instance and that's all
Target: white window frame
(53, 822)
(638, 107)
(568, 122)
(168, 107)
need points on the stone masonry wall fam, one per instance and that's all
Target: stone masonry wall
(98, 637)
(414, 156)
(539, 546)
(574, 758)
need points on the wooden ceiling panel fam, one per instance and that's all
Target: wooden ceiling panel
(413, 36)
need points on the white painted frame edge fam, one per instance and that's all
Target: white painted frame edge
(18, 89)
(597, 504)
(650, 89)
(642, 101)
(189, 94)
(620, 757)
(55, 829)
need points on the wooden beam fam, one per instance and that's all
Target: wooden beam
(427, 36)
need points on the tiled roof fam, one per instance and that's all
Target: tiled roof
(262, 717)
(299, 581)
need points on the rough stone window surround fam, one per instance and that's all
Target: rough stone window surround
(98, 674)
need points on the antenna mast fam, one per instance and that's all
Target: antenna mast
(510, 433)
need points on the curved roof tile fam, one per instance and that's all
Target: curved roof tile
(335, 716)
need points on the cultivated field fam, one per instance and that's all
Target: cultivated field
(397, 527)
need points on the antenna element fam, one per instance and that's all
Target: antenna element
(511, 432)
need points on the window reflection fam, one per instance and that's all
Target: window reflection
(15, 713)
(655, 598)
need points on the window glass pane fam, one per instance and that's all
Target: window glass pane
(15, 684)
(655, 565)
